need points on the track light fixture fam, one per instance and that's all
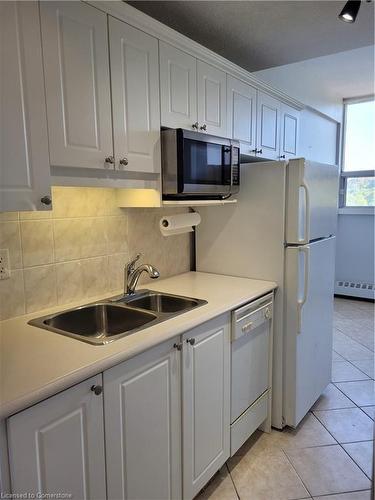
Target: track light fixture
(350, 11)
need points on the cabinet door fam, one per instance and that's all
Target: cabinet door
(143, 426)
(57, 446)
(75, 51)
(178, 88)
(241, 108)
(206, 402)
(135, 98)
(289, 132)
(268, 126)
(212, 99)
(24, 160)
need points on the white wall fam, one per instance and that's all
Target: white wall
(323, 82)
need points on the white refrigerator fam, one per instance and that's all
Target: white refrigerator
(283, 229)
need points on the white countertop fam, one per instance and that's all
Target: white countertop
(37, 363)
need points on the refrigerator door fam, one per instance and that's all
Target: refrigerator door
(308, 326)
(311, 202)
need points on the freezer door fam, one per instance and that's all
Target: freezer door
(311, 202)
(309, 279)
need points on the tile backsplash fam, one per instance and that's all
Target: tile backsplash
(79, 249)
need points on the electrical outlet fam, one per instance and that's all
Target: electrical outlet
(4, 264)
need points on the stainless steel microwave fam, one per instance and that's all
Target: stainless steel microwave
(196, 165)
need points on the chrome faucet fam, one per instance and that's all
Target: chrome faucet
(132, 274)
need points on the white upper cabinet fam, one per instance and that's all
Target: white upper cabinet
(76, 64)
(135, 98)
(58, 445)
(268, 126)
(143, 426)
(289, 130)
(212, 99)
(24, 160)
(178, 88)
(206, 402)
(241, 109)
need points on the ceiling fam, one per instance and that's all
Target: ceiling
(262, 34)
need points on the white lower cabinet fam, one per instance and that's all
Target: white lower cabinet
(57, 446)
(143, 426)
(158, 429)
(206, 402)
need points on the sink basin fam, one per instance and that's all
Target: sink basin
(97, 323)
(163, 303)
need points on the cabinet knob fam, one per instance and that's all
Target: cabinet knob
(190, 341)
(46, 200)
(110, 160)
(282, 156)
(97, 389)
(203, 127)
(253, 150)
(259, 151)
(267, 313)
(178, 346)
(124, 161)
(247, 327)
(195, 125)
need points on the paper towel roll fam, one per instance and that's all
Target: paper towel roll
(179, 224)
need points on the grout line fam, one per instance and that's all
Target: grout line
(352, 339)
(234, 484)
(299, 477)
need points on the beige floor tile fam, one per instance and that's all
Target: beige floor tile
(366, 365)
(369, 410)
(219, 488)
(347, 425)
(327, 469)
(357, 495)
(266, 474)
(352, 350)
(343, 371)
(361, 392)
(332, 399)
(362, 454)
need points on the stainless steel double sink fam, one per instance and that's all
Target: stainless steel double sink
(108, 320)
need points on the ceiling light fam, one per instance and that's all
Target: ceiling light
(350, 11)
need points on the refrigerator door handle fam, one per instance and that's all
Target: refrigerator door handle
(301, 302)
(307, 213)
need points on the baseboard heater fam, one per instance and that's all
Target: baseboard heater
(355, 289)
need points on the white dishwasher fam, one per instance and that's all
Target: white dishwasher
(251, 369)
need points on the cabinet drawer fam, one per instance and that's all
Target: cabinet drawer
(246, 319)
(248, 423)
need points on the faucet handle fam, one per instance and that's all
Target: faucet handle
(131, 264)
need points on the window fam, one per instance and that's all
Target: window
(357, 175)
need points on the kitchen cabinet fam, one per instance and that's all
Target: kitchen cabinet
(206, 402)
(24, 160)
(242, 110)
(178, 88)
(135, 98)
(289, 130)
(268, 126)
(143, 426)
(76, 65)
(57, 446)
(212, 99)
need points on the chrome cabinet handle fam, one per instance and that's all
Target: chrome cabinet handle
(46, 200)
(195, 125)
(110, 160)
(247, 327)
(97, 389)
(190, 341)
(203, 127)
(124, 161)
(178, 346)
